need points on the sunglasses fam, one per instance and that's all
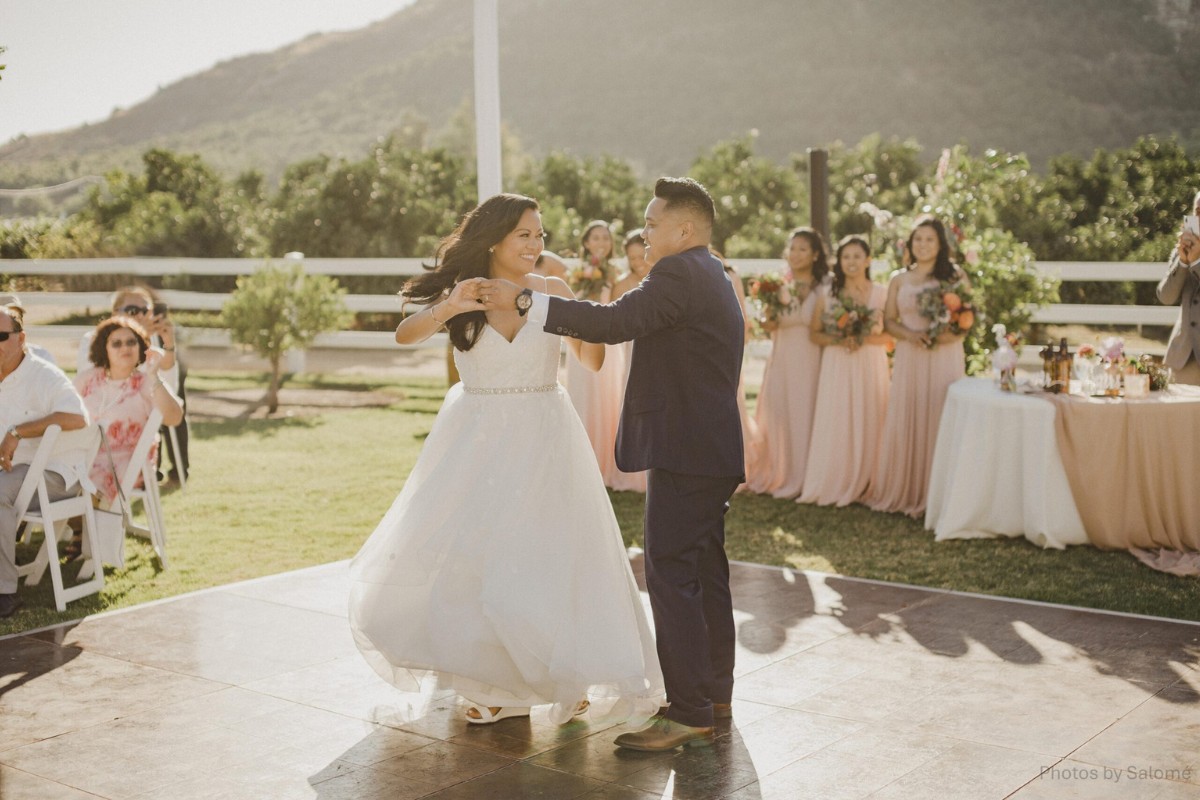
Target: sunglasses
(5, 334)
(135, 311)
(116, 343)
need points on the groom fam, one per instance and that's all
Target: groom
(680, 421)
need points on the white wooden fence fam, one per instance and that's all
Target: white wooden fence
(401, 268)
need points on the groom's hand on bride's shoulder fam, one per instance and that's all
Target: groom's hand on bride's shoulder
(498, 295)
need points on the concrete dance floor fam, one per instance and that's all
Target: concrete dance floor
(846, 688)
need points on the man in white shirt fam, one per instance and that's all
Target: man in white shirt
(34, 395)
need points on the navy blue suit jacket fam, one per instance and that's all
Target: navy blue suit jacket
(681, 411)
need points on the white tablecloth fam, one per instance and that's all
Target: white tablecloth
(997, 471)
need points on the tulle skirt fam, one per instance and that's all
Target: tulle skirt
(500, 567)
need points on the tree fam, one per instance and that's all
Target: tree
(573, 191)
(280, 308)
(757, 201)
(966, 193)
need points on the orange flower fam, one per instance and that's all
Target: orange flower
(843, 320)
(966, 319)
(952, 301)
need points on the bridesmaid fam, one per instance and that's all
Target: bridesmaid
(922, 372)
(852, 394)
(639, 268)
(789, 386)
(750, 435)
(597, 396)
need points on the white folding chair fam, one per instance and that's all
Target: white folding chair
(52, 517)
(140, 464)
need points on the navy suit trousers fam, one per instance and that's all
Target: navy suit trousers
(687, 576)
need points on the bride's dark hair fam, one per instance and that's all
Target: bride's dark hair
(464, 254)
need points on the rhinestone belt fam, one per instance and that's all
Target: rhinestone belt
(549, 387)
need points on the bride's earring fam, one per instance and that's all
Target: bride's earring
(492, 250)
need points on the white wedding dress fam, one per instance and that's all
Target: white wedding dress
(500, 567)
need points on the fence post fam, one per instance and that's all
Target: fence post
(818, 190)
(295, 360)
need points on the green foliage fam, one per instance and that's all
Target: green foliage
(573, 191)
(280, 308)
(967, 194)
(398, 201)
(178, 206)
(757, 201)
(884, 174)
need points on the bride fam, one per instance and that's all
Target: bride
(500, 567)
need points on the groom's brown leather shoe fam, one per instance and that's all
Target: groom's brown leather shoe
(662, 735)
(722, 710)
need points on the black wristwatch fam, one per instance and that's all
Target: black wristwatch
(524, 301)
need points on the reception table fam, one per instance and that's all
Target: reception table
(1068, 469)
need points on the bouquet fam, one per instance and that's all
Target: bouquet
(588, 278)
(848, 320)
(948, 307)
(772, 294)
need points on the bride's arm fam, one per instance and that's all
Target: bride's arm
(432, 318)
(590, 354)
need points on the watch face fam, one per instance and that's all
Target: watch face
(524, 300)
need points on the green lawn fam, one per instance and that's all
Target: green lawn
(268, 496)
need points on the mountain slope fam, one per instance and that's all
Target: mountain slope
(658, 82)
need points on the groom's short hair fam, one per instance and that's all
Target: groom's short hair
(687, 194)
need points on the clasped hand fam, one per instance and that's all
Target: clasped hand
(497, 295)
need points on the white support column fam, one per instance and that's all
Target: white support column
(487, 98)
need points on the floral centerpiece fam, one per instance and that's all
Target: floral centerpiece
(772, 294)
(588, 279)
(848, 320)
(948, 308)
(1004, 360)
(1112, 354)
(1160, 373)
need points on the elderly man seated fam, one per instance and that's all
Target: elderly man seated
(34, 395)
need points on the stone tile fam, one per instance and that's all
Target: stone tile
(612, 791)
(693, 773)
(324, 589)
(87, 690)
(594, 757)
(1162, 733)
(825, 774)
(443, 764)
(221, 623)
(969, 771)
(845, 688)
(959, 626)
(21, 785)
(794, 678)
(1146, 651)
(369, 784)
(906, 748)
(520, 780)
(1039, 710)
(125, 758)
(1069, 779)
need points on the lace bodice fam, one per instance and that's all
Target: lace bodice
(529, 360)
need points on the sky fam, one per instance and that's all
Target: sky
(74, 61)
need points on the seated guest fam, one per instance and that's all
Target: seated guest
(12, 301)
(120, 395)
(138, 302)
(1182, 285)
(36, 395)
